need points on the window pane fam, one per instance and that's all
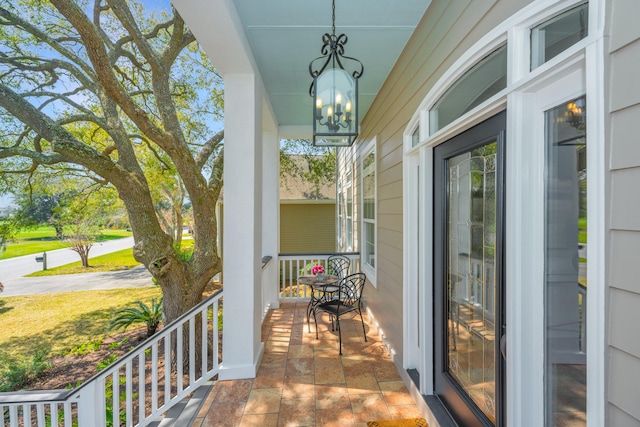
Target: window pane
(369, 241)
(556, 35)
(369, 187)
(415, 137)
(480, 83)
(566, 265)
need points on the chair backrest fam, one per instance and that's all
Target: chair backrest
(350, 288)
(338, 265)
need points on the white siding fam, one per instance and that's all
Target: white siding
(624, 285)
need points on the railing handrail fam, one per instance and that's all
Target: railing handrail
(316, 254)
(30, 396)
(293, 265)
(155, 337)
(87, 392)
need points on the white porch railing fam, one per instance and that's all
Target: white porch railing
(294, 265)
(139, 387)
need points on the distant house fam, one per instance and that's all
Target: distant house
(307, 216)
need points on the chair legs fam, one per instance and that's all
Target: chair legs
(363, 329)
(339, 334)
(337, 326)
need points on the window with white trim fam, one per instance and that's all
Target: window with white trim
(368, 185)
(349, 211)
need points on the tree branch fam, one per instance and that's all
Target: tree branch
(65, 147)
(209, 148)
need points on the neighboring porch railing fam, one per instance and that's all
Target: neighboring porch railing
(294, 265)
(136, 389)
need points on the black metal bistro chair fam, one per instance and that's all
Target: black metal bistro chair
(347, 299)
(338, 265)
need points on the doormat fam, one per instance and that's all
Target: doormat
(409, 422)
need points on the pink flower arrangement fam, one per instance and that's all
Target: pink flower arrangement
(317, 269)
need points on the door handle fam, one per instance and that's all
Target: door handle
(503, 346)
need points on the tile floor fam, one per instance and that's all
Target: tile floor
(302, 381)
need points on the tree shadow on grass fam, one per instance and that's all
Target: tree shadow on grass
(4, 308)
(73, 332)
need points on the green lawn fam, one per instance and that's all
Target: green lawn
(43, 239)
(60, 321)
(121, 260)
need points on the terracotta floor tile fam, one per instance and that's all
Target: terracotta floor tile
(334, 396)
(224, 414)
(269, 377)
(362, 383)
(354, 365)
(298, 387)
(232, 391)
(395, 393)
(274, 360)
(399, 412)
(329, 374)
(205, 405)
(334, 418)
(297, 412)
(303, 381)
(386, 371)
(369, 407)
(259, 420)
(299, 367)
(263, 400)
(300, 351)
(276, 346)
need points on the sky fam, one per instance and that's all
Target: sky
(5, 201)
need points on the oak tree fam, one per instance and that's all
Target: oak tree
(106, 90)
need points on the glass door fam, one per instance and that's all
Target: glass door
(566, 264)
(468, 231)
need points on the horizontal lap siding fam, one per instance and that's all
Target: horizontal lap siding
(446, 31)
(624, 149)
(307, 228)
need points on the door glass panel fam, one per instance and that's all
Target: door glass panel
(470, 272)
(566, 264)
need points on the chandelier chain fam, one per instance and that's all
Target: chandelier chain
(333, 17)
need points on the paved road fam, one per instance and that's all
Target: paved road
(137, 277)
(12, 270)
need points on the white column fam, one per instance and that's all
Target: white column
(271, 216)
(242, 247)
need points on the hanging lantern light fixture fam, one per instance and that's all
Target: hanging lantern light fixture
(334, 91)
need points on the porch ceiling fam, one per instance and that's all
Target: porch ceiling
(281, 37)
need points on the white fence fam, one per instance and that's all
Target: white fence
(293, 266)
(140, 386)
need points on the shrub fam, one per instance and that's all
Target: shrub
(141, 313)
(85, 348)
(15, 373)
